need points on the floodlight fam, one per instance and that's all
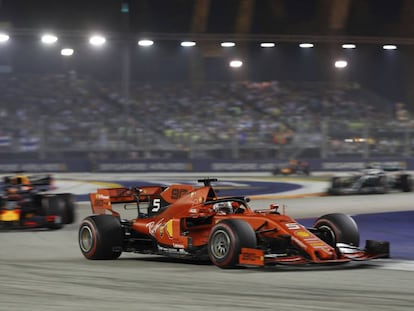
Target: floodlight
(267, 44)
(49, 38)
(348, 46)
(227, 44)
(188, 43)
(97, 40)
(4, 37)
(66, 52)
(389, 47)
(341, 64)
(236, 63)
(145, 42)
(306, 45)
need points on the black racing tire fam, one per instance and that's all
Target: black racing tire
(383, 185)
(226, 240)
(335, 186)
(406, 183)
(100, 237)
(56, 208)
(337, 228)
(70, 207)
(335, 182)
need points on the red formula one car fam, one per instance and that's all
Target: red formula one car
(193, 222)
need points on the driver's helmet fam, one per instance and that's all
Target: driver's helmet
(223, 208)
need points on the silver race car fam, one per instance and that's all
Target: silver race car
(372, 180)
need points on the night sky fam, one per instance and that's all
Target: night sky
(73, 14)
(366, 17)
(105, 15)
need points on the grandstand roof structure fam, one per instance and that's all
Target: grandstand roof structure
(363, 20)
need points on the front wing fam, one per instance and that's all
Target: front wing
(373, 250)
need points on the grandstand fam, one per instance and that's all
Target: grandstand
(68, 116)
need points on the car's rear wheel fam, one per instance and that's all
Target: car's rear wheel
(226, 240)
(70, 206)
(337, 228)
(101, 237)
(55, 208)
(406, 183)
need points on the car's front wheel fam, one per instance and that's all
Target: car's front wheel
(226, 240)
(101, 237)
(337, 228)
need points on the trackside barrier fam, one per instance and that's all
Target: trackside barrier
(192, 166)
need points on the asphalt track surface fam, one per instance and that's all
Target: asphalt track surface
(44, 270)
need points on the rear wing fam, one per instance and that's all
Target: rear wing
(103, 199)
(37, 182)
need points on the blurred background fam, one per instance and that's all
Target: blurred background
(191, 84)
